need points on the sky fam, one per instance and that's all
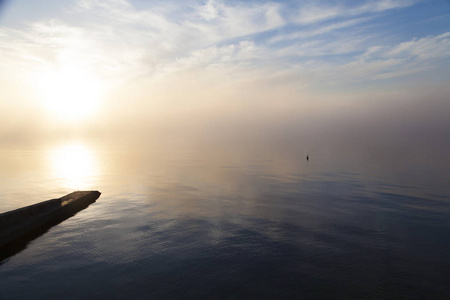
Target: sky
(372, 72)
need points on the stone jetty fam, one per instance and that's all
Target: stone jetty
(18, 227)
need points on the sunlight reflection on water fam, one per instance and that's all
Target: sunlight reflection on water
(73, 166)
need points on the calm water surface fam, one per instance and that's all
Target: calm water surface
(172, 223)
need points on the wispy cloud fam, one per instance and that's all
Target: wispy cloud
(405, 58)
(303, 33)
(119, 41)
(377, 62)
(312, 12)
(221, 21)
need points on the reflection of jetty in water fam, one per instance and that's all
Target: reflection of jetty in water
(19, 227)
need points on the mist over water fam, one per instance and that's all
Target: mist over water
(390, 130)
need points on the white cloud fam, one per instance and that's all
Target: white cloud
(208, 11)
(389, 61)
(321, 47)
(316, 31)
(219, 21)
(106, 4)
(241, 53)
(429, 47)
(416, 50)
(313, 12)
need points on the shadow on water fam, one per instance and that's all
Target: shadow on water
(25, 225)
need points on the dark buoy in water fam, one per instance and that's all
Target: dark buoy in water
(307, 157)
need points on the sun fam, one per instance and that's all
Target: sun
(69, 93)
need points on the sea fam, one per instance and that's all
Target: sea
(217, 223)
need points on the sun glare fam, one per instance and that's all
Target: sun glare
(69, 93)
(73, 166)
